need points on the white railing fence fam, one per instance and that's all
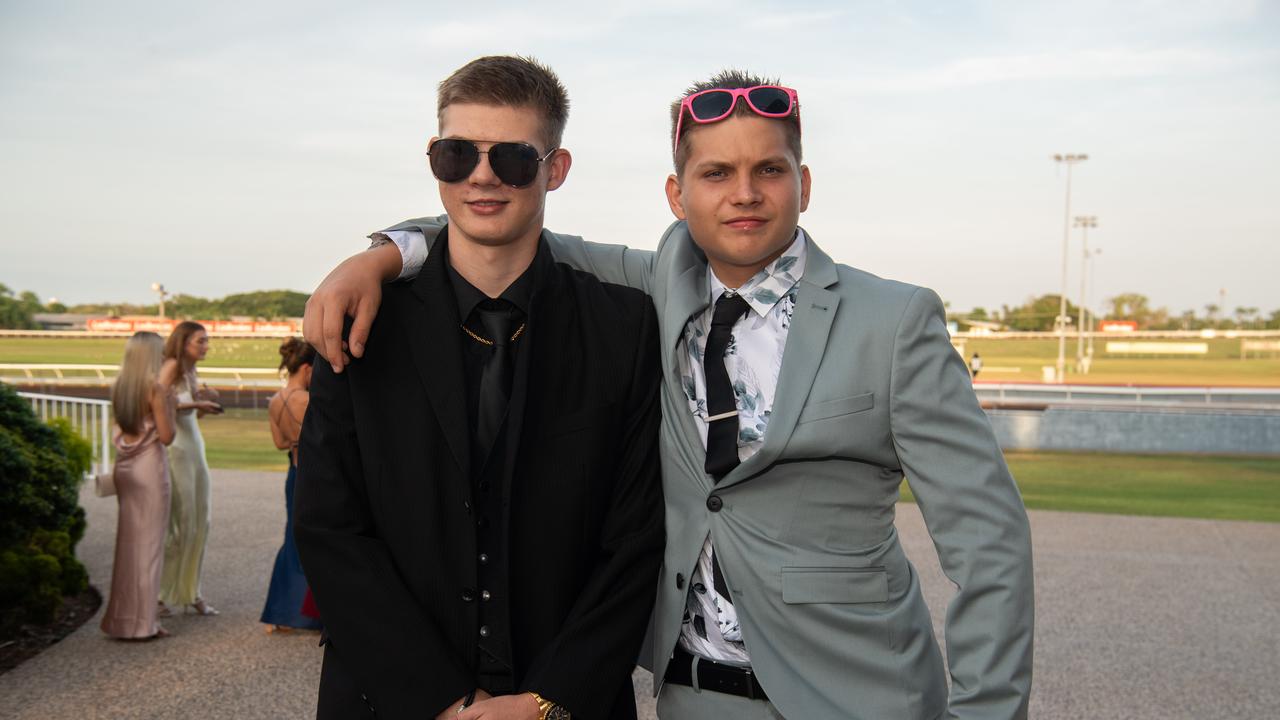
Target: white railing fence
(90, 418)
(101, 375)
(1240, 397)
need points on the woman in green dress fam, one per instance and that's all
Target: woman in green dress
(189, 513)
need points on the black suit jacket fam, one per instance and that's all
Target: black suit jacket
(381, 516)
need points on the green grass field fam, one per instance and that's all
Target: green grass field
(241, 440)
(1222, 366)
(1223, 488)
(1021, 361)
(97, 351)
(1190, 486)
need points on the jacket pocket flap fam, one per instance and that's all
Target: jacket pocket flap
(836, 408)
(805, 585)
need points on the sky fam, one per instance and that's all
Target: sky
(231, 146)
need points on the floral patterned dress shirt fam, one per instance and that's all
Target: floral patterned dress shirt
(753, 360)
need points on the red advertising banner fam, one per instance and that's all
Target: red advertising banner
(1120, 326)
(164, 326)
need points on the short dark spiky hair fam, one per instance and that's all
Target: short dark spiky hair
(512, 81)
(728, 79)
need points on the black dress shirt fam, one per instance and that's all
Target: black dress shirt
(492, 468)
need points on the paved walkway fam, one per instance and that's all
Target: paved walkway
(1137, 618)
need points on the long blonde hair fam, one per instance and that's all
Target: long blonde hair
(131, 393)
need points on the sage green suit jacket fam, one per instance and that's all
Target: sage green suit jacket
(870, 391)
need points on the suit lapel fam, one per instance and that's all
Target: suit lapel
(686, 295)
(435, 343)
(806, 344)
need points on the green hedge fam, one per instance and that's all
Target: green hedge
(41, 521)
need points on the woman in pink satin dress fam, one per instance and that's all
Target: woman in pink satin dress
(143, 411)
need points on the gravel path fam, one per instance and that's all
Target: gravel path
(1136, 618)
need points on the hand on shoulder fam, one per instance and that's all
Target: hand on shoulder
(353, 288)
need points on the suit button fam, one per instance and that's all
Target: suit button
(484, 631)
(484, 558)
(484, 595)
(679, 581)
(468, 595)
(714, 503)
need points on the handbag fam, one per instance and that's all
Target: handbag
(104, 484)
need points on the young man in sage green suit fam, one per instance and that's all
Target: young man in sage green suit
(784, 590)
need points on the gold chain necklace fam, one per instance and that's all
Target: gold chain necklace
(487, 341)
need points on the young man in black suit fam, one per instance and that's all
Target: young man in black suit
(479, 511)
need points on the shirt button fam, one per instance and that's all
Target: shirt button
(484, 558)
(679, 581)
(714, 503)
(468, 595)
(484, 631)
(467, 504)
(484, 595)
(700, 588)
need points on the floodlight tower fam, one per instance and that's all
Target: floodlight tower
(158, 289)
(1070, 159)
(1093, 314)
(1084, 222)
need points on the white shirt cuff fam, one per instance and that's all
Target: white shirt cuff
(413, 250)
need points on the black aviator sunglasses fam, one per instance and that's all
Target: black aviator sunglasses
(516, 164)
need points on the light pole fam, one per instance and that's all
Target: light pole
(1070, 160)
(1093, 314)
(158, 289)
(1084, 222)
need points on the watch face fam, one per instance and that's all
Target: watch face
(555, 712)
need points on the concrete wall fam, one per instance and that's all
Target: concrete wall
(1154, 430)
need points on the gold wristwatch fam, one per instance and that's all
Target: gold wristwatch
(548, 710)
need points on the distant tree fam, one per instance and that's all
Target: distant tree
(15, 312)
(1037, 314)
(1188, 319)
(265, 304)
(1273, 323)
(1136, 307)
(55, 307)
(1128, 306)
(1245, 315)
(1211, 311)
(978, 314)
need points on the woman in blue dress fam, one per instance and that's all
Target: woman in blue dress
(288, 587)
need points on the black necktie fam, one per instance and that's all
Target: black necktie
(498, 317)
(722, 415)
(722, 408)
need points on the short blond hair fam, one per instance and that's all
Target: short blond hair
(131, 392)
(510, 81)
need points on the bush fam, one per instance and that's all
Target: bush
(41, 521)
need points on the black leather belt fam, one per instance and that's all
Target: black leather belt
(728, 679)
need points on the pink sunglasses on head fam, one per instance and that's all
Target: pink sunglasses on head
(714, 105)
